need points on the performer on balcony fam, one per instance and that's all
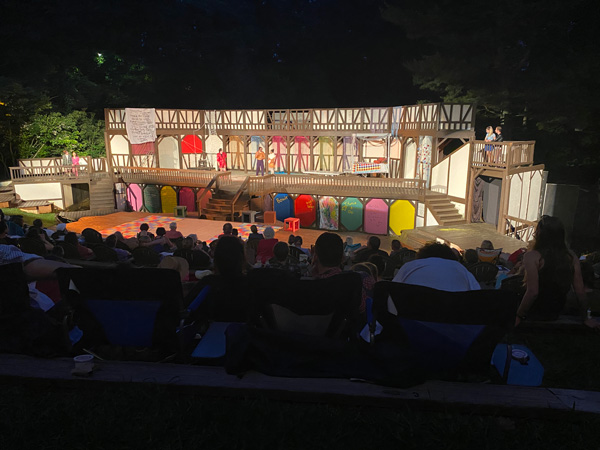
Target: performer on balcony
(489, 148)
(222, 160)
(260, 161)
(272, 162)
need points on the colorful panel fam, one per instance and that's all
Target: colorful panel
(191, 144)
(283, 207)
(186, 198)
(376, 217)
(134, 197)
(329, 213)
(152, 199)
(352, 214)
(168, 199)
(306, 210)
(402, 216)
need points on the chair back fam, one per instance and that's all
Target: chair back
(145, 256)
(70, 250)
(131, 307)
(103, 253)
(33, 245)
(326, 307)
(452, 331)
(484, 272)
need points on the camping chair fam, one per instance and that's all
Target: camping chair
(92, 236)
(70, 250)
(453, 333)
(125, 310)
(326, 307)
(145, 256)
(298, 327)
(485, 273)
(103, 253)
(32, 245)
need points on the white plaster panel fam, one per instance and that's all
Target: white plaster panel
(514, 198)
(535, 198)
(410, 156)
(430, 219)
(119, 145)
(41, 191)
(439, 177)
(168, 153)
(459, 172)
(460, 207)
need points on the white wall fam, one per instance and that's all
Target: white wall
(524, 197)
(439, 177)
(410, 156)
(119, 145)
(168, 153)
(41, 191)
(459, 172)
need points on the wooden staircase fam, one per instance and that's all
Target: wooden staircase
(219, 207)
(443, 209)
(102, 197)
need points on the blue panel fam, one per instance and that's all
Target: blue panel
(212, 344)
(283, 206)
(126, 322)
(531, 373)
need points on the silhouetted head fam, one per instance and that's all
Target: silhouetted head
(229, 256)
(281, 251)
(374, 242)
(329, 249)
(436, 250)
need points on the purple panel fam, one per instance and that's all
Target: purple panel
(376, 217)
(134, 197)
(186, 198)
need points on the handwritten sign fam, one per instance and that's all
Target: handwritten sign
(376, 217)
(140, 124)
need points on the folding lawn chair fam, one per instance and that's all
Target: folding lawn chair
(452, 333)
(129, 309)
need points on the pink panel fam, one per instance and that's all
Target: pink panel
(134, 197)
(206, 198)
(376, 217)
(186, 198)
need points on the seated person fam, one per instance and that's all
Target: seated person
(264, 251)
(38, 234)
(144, 231)
(254, 234)
(111, 242)
(173, 233)
(16, 226)
(162, 243)
(298, 244)
(84, 252)
(372, 248)
(436, 267)
(60, 233)
(470, 257)
(328, 256)
(227, 230)
(380, 263)
(283, 260)
(45, 232)
(196, 258)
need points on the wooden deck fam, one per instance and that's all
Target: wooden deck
(214, 381)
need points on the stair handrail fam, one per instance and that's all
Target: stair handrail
(241, 189)
(215, 180)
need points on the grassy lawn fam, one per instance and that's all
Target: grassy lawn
(149, 417)
(49, 220)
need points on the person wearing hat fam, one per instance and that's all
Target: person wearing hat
(264, 251)
(60, 233)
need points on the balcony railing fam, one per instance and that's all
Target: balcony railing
(346, 186)
(171, 177)
(503, 154)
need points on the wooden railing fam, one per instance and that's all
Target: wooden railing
(503, 154)
(237, 195)
(521, 229)
(347, 186)
(171, 177)
(48, 173)
(433, 116)
(218, 180)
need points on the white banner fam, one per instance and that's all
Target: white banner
(140, 124)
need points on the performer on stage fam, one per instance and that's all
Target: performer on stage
(272, 162)
(260, 161)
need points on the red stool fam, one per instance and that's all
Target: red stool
(291, 224)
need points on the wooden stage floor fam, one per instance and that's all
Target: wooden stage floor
(464, 236)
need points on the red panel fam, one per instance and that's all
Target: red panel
(186, 198)
(191, 144)
(206, 197)
(306, 210)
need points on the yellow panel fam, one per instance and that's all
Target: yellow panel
(168, 198)
(402, 216)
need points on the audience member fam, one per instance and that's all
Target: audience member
(178, 264)
(298, 244)
(264, 251)
(291, 239)
(173, 234)
(380, 263)
(227, 230)
(144, 232)
(60, 233)
(84, 252)
(551, 269)
(111, 242)
(283, 260)
(328, 255)
(436, 267)
(254, 234)
(372, 248)
(16, 226)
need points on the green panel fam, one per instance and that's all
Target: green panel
(352, 214)
(152, 199)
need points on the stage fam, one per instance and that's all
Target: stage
(462, 236)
